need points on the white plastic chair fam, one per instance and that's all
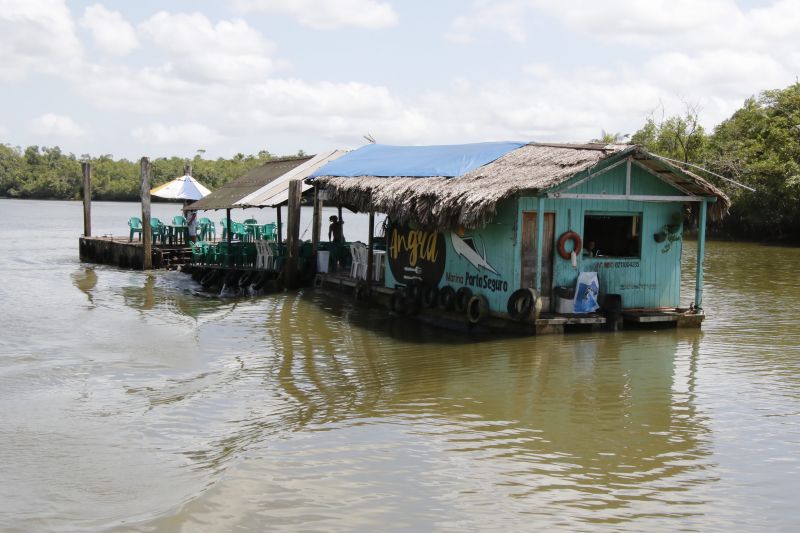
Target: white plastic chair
(358, 253)
(269, 256)
(259, 255)
(264, 255)
(378, 265)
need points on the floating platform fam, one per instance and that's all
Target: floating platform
(122, 253)
(545, 323)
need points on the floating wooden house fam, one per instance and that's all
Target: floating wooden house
(475, 227)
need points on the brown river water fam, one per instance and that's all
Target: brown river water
(129, 403)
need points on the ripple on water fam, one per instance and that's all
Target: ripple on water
(130, 403)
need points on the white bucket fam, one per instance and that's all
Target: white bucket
(322, 261)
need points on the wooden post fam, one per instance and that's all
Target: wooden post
(317, 222)
(280, 225)
(228, 238)
(540, 242)
(293, 233)
(701, 250)
(147, 233)
(370, 246)
(87, 199)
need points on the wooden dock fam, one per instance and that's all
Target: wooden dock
(122, 253)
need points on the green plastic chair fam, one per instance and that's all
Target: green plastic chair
(135, 224)
(278, 255)
(239, 230)
(268, 231)
(178, 220)
(214, 254)
(158, 229)
(206, 229)
(198, 253)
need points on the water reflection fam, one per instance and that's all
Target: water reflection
(593, 423)
(86, 280)
(171, 292)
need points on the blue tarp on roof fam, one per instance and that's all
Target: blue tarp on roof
(416, 161)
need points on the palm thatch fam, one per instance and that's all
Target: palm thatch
(471, 200)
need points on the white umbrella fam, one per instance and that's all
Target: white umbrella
(182, 188)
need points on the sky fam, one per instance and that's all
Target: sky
(182, 77)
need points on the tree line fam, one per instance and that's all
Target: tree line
(759, 146)
(48, 173)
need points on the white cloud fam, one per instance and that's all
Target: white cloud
(190, 134)
(230, 51)
(37, 37)
(3, 132)
(712, 54)
(718, 72)
(508, 17)
(111, 32)
(52, 126)
(328, 14)
(672, 24)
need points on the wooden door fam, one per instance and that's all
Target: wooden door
(529, 254)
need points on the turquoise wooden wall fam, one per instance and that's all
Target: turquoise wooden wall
(499, 239)
(653, 280)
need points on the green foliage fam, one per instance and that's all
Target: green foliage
(677, 137)
(759, 146)
(606, 137)
(42, 172)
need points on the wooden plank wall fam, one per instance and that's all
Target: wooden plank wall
(653, 279)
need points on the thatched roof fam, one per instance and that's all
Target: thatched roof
(226, 196)
(471, 200)
(276, 192)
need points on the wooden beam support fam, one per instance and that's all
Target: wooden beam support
(293, 233)
(631, 197)
(316, 222)
(228, 237)
(87, 199)
(701, 250)
(540, 242)
(628, 176)
(280, 225)
(370, 247)
(147, 232)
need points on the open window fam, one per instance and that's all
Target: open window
(612, 235)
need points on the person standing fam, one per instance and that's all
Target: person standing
(191, 221)
(336, 230)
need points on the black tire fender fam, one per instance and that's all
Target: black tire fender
(477, 309)
(520, 304)
(447, 298)
(462, 299)
(430, 296)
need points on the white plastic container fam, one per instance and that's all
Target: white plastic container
(323, 256)
(565, 306)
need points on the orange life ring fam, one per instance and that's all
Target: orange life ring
(576, 244)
